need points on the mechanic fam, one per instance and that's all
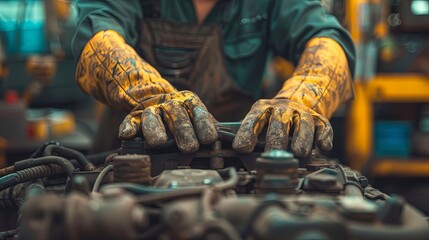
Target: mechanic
(186, 63)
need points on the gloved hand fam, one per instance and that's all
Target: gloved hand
(320, 83)
(186, 117)
(111, 71)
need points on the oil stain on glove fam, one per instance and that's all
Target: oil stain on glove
(320, 83)
(112, 71)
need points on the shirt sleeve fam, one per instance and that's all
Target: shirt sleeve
(122, 16)
(294, 22)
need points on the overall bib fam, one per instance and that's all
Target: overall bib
(191, 57)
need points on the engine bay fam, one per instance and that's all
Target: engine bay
(139, 192)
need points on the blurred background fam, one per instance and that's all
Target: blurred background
(384, 132)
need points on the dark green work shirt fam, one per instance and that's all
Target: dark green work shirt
(251, 29)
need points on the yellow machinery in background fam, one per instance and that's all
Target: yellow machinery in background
(367, 22)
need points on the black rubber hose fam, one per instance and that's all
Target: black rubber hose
(70, 154)
(37, 172)
(32, 162)
(29, 174)
(40, 151)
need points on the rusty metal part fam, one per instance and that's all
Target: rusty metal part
(114, 216)
(277, 171)
(216, 162)
(69, 153)
(132, 168)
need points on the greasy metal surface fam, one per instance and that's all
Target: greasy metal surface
(186, 178)
(132, 168)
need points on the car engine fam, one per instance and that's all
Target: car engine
(139, 192)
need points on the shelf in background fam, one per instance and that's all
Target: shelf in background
(400, 168)
(399, 88)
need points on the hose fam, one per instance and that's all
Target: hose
(13, 197)
(100, 177)
(20, 165)
(29, 174)
(40, 151)
(136, 189)
(70, 154)
(28, 163)
(6, 171)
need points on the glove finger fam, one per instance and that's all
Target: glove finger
(303, 135)
(247, 135)
(130, 125)
(152, 126)
(278, 129)
(177, 119)
(324, 135)
(203, 121)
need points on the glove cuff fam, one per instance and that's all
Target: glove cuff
(322, 79)
(112, 71)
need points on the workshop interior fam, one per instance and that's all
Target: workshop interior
(65, 173)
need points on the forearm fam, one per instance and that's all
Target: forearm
(99, 15)
(112, 71)
(322, 79)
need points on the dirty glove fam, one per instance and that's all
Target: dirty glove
(111, 71)
(320, 83)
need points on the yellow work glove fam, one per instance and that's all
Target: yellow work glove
(320, 83)
(111, 71)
